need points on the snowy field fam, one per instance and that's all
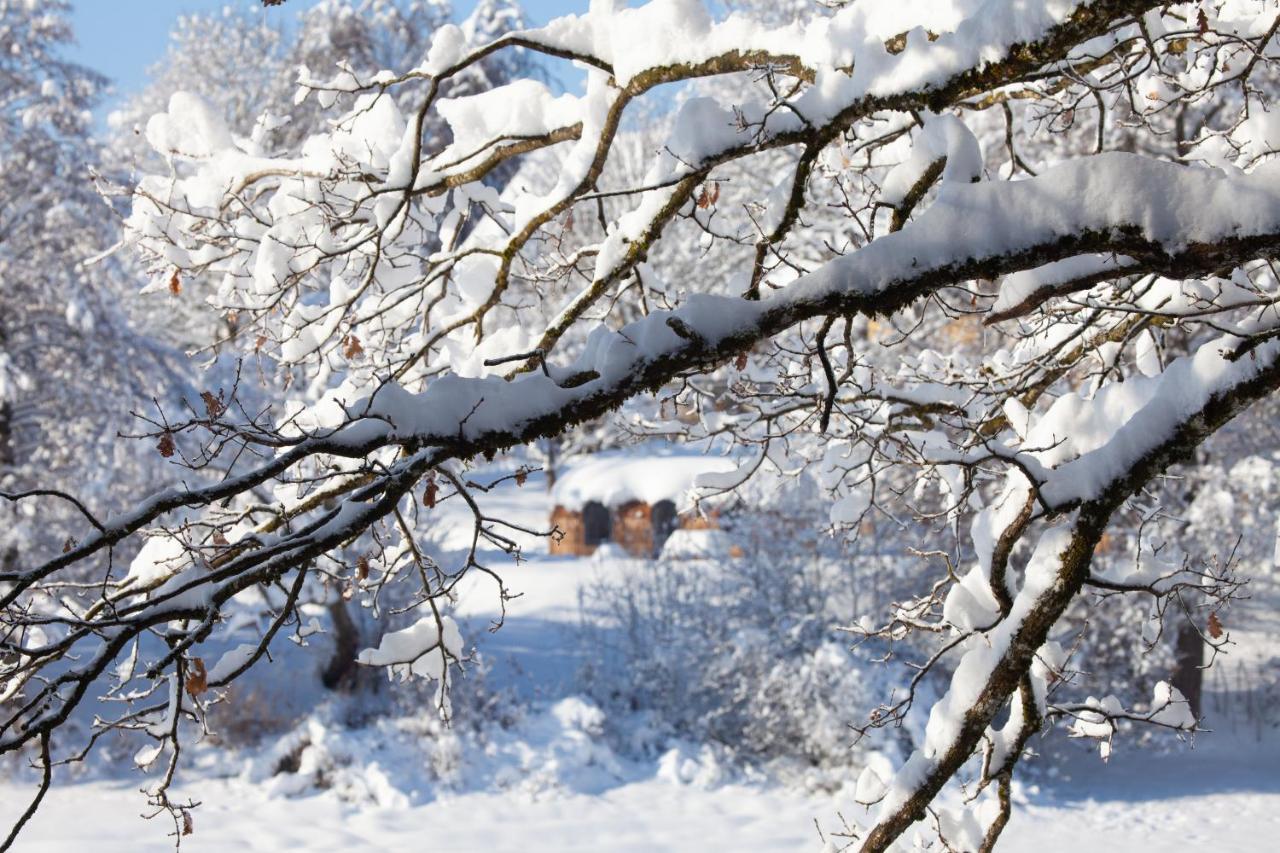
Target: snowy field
(1194, 803)
(552, 785)
(1224, 796)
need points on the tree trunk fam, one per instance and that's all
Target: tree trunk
(342, 673)
(1188, 676)
(552, 456)
(7, 455)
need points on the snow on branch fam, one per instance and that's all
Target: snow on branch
(865, 247)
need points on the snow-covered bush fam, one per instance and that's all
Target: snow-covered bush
(408, 753)
(744, 653)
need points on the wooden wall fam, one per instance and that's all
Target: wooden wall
(632, 529)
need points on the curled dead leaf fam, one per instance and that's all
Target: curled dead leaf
(213, 406)
(708, 195)
(197, 678)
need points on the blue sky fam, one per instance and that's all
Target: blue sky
(123, 38)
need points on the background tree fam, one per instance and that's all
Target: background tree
(72, 362)
(250, 85)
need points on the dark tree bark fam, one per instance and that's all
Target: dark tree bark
(342, 673)
(1188, 674)
(7, 456)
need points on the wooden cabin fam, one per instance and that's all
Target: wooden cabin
(632, 501)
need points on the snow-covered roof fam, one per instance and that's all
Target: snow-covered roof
(697, 545)
(614, 479)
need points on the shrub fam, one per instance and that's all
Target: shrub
(744, 653)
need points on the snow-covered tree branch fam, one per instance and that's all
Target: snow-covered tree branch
(991, 266)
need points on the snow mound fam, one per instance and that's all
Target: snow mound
(548, 751)
(697, 545)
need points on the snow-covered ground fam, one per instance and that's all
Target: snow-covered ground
(1220, 800)
(551, 784)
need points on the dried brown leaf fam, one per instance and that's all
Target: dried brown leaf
(197, 678)
(213, 406)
